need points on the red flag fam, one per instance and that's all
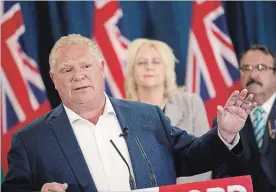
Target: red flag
(212, 67)
(23, 95)
(112, 43)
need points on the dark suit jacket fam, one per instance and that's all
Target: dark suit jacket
(47, 150)
(261, 165)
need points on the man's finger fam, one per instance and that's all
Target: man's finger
(240, 98)
(220, 110)
(220, 113)
(55, 187)
(247, 102)
(248, 111)
(65, 186)
(253, 105)
(250, 108)
(232, 99)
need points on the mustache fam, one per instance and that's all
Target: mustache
(251, 81)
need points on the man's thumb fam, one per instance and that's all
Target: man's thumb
(65, 186)
(220, 110)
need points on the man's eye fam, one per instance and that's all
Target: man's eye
(65, 70)
(87, 65)
(245, 68)
(262, 67)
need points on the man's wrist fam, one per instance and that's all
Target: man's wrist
(227, 137)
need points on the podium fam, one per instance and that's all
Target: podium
(232, 184)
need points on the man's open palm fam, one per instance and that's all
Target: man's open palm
(232, 117)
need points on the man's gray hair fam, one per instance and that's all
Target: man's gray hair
(74, 39)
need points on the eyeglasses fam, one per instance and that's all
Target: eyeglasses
(259, 68)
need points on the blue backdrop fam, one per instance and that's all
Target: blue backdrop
(248, 23)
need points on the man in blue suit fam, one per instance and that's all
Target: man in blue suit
(95, 143)
(258, 75)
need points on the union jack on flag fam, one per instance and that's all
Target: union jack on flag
(23, 94)
(112, 44)
(212, 67)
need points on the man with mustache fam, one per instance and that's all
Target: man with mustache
(258, 75)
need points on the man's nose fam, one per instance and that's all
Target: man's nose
(254, 73)
(79, 75)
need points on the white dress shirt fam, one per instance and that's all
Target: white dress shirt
(108, 170)
(266, 107)
(106, 167)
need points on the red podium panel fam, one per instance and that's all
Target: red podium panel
(233, 184)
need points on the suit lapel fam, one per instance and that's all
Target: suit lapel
(249, 133)
(272, 115)
(70, 147)
(128, 119)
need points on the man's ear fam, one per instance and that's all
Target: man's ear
(52, 75)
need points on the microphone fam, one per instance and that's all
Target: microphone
(125, 133)
(131, 179)
(153, 178)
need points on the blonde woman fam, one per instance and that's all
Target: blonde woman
(150, 78)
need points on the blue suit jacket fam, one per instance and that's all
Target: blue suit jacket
(261, 165)
(47, 150)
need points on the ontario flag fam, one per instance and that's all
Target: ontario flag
(212, 66)
(23, 94)
(113, 44)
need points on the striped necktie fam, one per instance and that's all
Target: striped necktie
(259, 126)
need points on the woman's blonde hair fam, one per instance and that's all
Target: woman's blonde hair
(168, 58)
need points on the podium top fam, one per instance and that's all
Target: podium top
(232, 184)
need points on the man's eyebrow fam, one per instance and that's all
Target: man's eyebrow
(64, 65)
